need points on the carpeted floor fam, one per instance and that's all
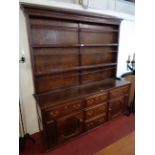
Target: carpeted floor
(89, 143)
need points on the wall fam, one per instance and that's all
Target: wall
(126, 45)
(117, 5)
(26, 83)
(26, 90)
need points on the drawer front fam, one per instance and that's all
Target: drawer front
(95, 122)
(96, 99)
(119, 91)
(59, 111)
(96, 110)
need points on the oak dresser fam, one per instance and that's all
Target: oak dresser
(74, 64)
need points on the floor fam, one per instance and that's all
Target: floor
(124, 146)
(88, 144)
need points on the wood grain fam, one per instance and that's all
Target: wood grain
(74, 64)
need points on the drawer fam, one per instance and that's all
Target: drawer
(90, 124)
(96, 99)
(61, 110)
(96, 110)
(119, 91)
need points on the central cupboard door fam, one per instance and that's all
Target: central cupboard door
(70, 126)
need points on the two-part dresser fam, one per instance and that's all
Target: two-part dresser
(74, 64)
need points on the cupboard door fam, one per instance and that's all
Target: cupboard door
(69, 126)
(116, 107)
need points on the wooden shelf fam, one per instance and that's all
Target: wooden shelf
(99, 45)
(54, 45)
(76, 53)
(98, 31)
(71, 45)
(86, 73)
(58, 71)
(39, 26)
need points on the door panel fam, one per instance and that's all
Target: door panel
(70, 126)
(116, 107)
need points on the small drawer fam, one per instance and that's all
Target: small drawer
(61, 110)
(119, 91)
(96, 110)
(90, 124)
(96, 99)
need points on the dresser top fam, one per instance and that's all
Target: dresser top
(78, 92)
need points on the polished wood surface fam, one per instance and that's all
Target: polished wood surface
(83, 91)
(74, 64)
(124, 146)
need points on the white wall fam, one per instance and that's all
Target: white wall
(117, 5)
(126, 45)
(26, 82)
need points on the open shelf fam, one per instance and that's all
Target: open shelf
(98, 30)
(82, 53)
(71, 45)
(58, 71)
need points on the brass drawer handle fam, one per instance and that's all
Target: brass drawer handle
(98, 99)
(89, 113)
(110, 109)
(76, 106)
(102, 97)
(100, 120)
(80, 120)
(66, 107)
(90, 101)
(90, 124)
(102, 108)
(54, 113)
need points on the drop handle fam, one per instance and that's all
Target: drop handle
(80, 120)
(110, 109)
